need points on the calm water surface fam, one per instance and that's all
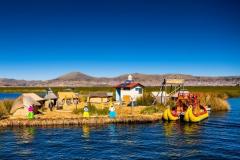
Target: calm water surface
(215, 138)
(9, 95)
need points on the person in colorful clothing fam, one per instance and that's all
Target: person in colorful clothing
(30, 113)
(85, 112)
(112, 112)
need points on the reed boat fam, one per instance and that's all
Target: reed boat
(173, 114)
(194, 115)
(188, 106)
(170, 114)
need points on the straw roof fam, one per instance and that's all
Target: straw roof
(101, 94)
(66, 95)
(23, 101)
(33, 96)
(50, 95)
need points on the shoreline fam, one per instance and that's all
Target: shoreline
(79, 121)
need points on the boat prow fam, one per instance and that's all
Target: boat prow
(168, 115)
(186, 115)
(191, 117)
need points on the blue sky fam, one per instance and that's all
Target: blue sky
(43, 39)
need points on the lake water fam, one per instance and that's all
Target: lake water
(215, 138)
(9, 95)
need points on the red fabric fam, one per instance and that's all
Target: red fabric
(174, 113)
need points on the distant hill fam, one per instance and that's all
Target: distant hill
(73, 76)
(81, 79)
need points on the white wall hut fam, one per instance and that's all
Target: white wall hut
(128, 91)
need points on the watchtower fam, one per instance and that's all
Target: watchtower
(176, 85)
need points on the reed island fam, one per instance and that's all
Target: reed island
(126, 102)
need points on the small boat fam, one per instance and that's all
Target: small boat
(174, 113)
(187, 107)
(170, 115)
(192, 116)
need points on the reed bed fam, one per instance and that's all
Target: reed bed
(216, 101)
(159, 108)
(230, 91)
(79, 121)
(93, 110)
(5, 107)
(146, 100)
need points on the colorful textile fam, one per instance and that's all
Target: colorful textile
(30, 109)
(85, 114)
(112, 114)
(30, 115)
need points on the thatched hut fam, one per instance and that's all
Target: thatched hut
(100, 97)
(50, 95)
(21, 104)
(50, 98)
(67, 97)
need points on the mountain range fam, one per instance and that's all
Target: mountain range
(75, 79)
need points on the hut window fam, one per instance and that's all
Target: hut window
(139, 90)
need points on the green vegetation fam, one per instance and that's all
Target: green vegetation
(229, 91)
(81, 90)
(217, 102)
(153, 109)
(22, 89)
(146, 100)
(103, 111)
(171, 103)
(216, 97)
(5, 107)
(77, 111)
(93, 110)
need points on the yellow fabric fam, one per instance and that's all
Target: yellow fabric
(85, 114)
